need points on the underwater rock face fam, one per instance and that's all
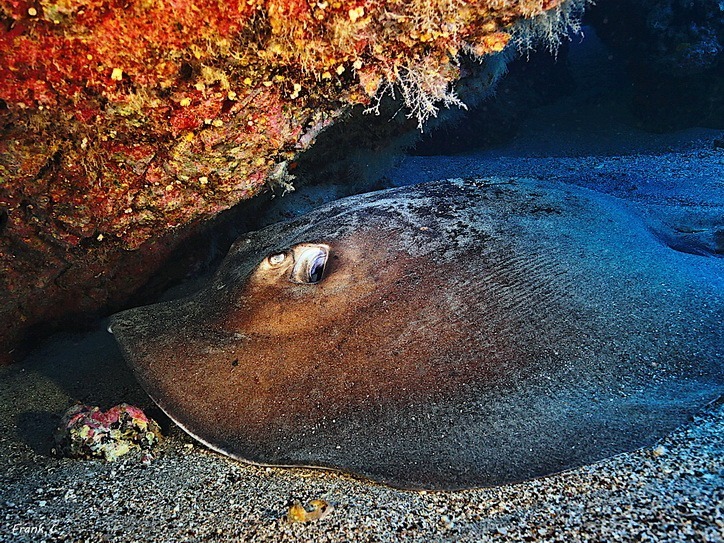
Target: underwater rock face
(674, 50)
(446, 335)
(674, 37)
(125, 124)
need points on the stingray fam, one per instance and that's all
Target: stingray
(448, 335)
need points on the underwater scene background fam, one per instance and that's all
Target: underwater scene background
(631, 108)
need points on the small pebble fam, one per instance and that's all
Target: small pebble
(659, 450)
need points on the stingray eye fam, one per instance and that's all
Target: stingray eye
(309, 265)
(277, 259)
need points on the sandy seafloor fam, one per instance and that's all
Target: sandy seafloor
(672, 492)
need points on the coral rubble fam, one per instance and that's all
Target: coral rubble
(126, 124)
(88, 432)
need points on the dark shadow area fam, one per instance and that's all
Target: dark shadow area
(532, 81)
(85, 368)
(631, 68)
(672, 52)
(36, 428)
(74, 361)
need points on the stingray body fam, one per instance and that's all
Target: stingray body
(447, 335)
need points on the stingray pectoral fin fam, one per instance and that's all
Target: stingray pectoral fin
(448, 335)
(168, 348)
(202, 376)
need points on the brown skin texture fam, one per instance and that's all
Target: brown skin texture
(125, 125)
(293, 332)
(466, 333)
(320, 326)
(327, 350)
